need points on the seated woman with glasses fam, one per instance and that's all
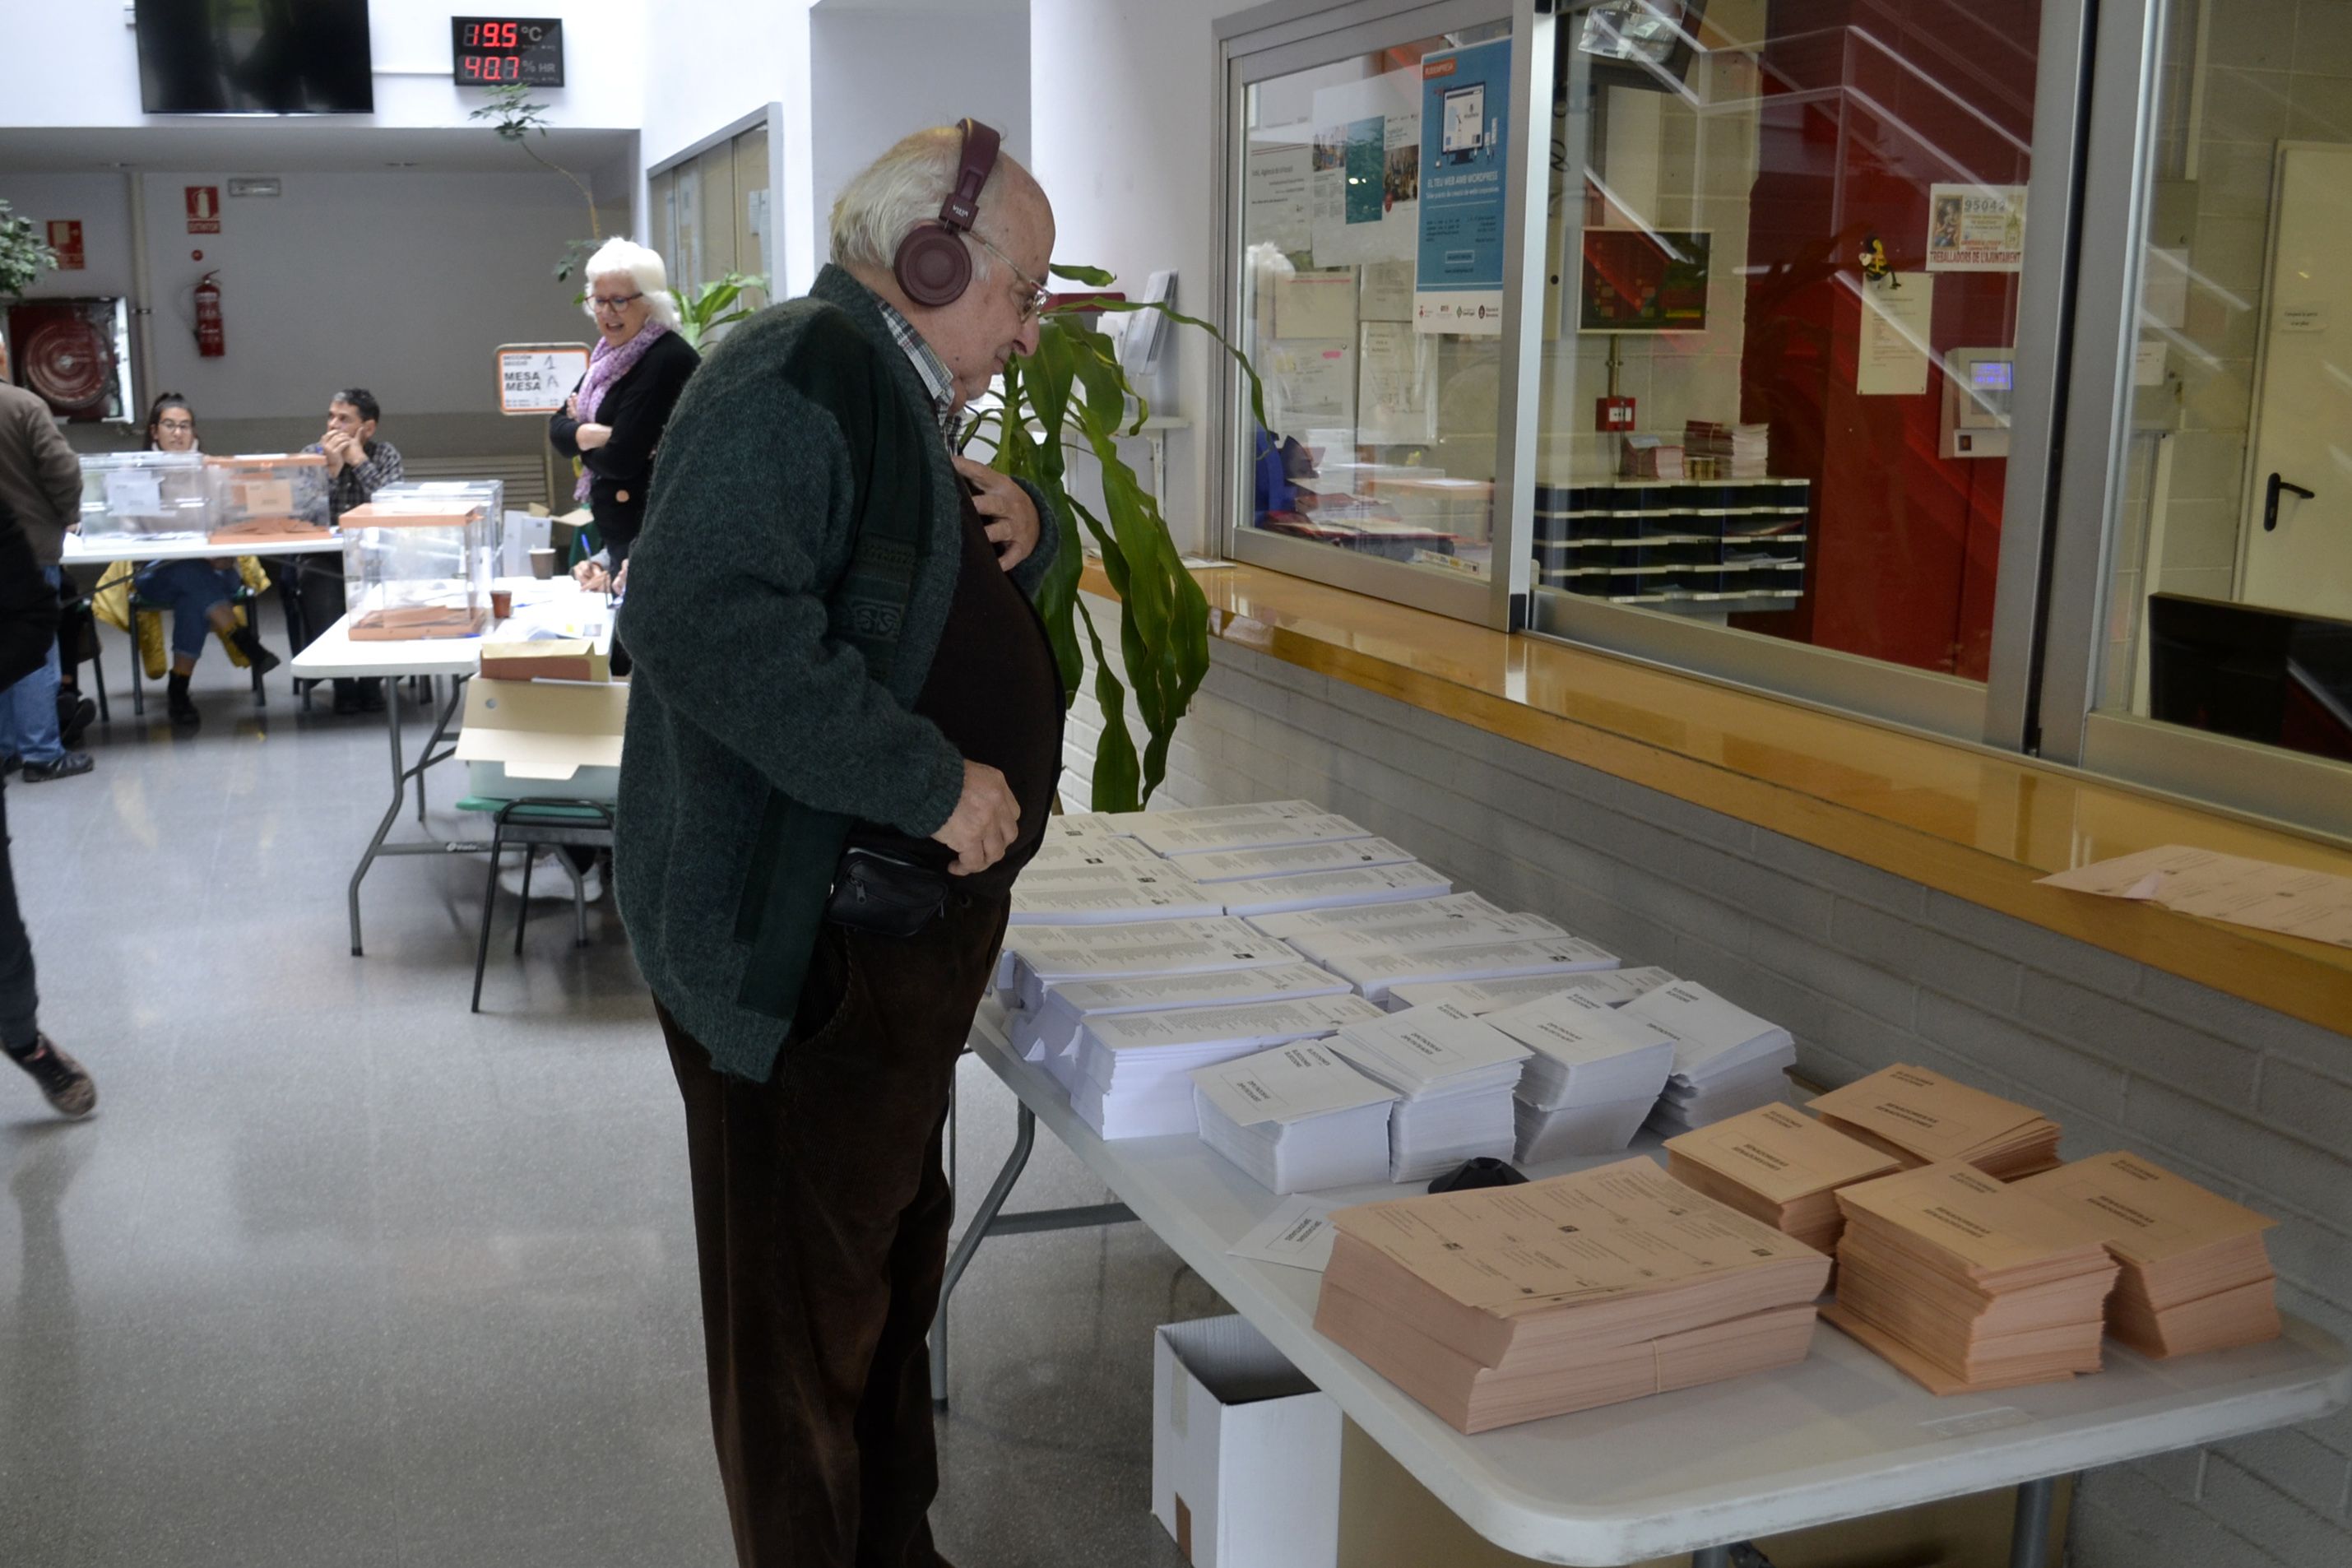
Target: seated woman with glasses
(200, 593)
(614, 417)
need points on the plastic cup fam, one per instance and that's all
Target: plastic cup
(542, 562)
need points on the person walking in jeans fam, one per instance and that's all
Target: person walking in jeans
(29, 632)
(40, 483)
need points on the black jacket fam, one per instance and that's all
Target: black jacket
(638, 407)
(28, 606)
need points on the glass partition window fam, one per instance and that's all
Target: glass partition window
(2229, 569)
(1373, 196)
(1786, 243)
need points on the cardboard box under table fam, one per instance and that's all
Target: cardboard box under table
(539, 740)
(1245, 1450)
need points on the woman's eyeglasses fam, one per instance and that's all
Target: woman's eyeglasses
(614, 306)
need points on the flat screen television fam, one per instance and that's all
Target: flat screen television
(255, 57)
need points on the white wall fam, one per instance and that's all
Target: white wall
(877, 72)
(102, 205)
(708, 64)
(403, 283)
(91, 71)
(1126, 97)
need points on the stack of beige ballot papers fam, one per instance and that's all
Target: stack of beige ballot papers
(1967, 1284)
(1509, 1304)
(1921, 1117)
(1781, 1165)
(2196, 1276)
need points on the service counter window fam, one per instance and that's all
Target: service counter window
(1780, 332)
(2223, 661)
(1370, 228)
(1744, 404)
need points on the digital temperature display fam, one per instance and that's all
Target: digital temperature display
(494, 51)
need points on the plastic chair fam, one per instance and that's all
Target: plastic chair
(528, 825)
(139, 605)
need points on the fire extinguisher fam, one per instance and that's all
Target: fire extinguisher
(210, 342)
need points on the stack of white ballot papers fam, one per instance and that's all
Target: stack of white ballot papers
(1366, 884)
(1728, 1060)
(1297, 1118)
(1209, 815)
(1038, 956)
(1132, 1076)
(1252, 833)
(1418, 936)
(1056, 854)
(1363, 917)
(1047, 1032)
(1128, 900)
(1293, 860)
(1614, 986)
(1373, 972)
(1454, 1075)
(1594, 1078)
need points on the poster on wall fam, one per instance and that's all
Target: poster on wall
(1892, 361)
(1466, 140)
(1309, 384)
(1396, 400)
(1975, 229)
(1644, 280)
(1365, 170)
(1275, 197)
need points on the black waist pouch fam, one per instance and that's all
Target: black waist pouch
(887, 892)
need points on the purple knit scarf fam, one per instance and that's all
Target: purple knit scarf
(606, 365)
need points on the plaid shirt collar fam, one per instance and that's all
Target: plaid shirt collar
(937, 380)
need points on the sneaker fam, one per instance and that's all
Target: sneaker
(63, 1082)
(74, 723)
(73, 764)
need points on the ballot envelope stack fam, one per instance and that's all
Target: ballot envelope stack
(1592, 1080)
(1967, 1284)
(1921, 1117)
(1779, 1165)
(1509, 1304)
(1297, 1118)
(1728, 1059)
(2196, 1275)
(1452, 1075)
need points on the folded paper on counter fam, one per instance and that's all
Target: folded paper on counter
(2313, 905)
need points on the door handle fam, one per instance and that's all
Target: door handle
(2271, 500)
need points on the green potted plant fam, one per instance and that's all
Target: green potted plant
(705, 307)
(1072, 394)
(23, 255)
(510, 114)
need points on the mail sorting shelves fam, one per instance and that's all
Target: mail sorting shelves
(1842, 1434)
(1703, 545)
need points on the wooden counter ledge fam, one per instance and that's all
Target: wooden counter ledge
(1968, 821)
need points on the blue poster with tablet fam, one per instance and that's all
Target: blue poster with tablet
(1465, 139)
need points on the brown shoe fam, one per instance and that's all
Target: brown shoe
(64, 1084)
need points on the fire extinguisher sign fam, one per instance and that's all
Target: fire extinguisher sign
(204, 209)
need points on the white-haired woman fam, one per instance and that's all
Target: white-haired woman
(613, 419)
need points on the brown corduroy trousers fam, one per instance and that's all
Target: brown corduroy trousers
(821, 1218)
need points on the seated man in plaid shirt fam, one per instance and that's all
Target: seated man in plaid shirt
(358, 464)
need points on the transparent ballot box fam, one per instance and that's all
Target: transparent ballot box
(271, 495)
(454, 494)
(155, 495)
(415, 570)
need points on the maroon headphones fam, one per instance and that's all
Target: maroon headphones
(933, 266)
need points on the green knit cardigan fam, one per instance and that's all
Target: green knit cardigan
(744, 681)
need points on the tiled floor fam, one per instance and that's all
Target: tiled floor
(342, 1274)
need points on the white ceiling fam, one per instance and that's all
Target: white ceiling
(270, 145)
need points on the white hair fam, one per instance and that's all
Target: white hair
(902, 190)
(643, 268)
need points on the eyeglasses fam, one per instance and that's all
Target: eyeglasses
(1034, 303)
(600, 305)
(176, 424)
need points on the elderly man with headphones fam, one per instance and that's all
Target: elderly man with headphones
(844, 738)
